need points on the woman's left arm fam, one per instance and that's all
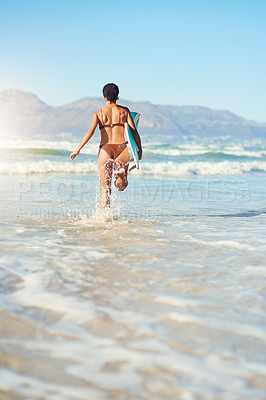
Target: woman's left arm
(86, 137)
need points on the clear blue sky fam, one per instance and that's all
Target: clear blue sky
(189, 52)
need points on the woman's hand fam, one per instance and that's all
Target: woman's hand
(73, 155)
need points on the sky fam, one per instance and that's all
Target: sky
(172, 52)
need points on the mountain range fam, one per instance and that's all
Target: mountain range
(23, 114)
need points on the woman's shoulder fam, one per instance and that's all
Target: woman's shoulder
(98, 111)
(123, 107)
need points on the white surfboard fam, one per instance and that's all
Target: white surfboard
(131, 141)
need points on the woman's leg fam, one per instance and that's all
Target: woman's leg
(105, 166)
(121, 168)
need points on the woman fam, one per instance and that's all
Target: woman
(113, 153)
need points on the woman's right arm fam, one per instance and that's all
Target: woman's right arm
(86, 137)
(135, 133)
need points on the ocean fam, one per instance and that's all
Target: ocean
(160, 297)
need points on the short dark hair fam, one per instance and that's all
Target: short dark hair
(111, 91)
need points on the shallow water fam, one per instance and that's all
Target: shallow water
(161, 297)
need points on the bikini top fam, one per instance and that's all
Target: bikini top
(102, 126)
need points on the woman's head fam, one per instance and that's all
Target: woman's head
(110, 92)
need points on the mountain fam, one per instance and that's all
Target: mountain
(23, 114)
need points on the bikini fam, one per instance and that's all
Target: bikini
(102, 126)
(113, 150)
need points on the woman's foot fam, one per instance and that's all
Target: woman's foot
(121, 179)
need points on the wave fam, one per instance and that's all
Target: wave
(223, 168)
(46, 167)
(47, 145)
(52, 147)
(56, 147)
(207, 152)
(202, 159)
(149, 153)
(169, 168)
(238, 154)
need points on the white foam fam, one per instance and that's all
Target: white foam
(239, 329)
(32, 387)
(201, 168)
(34, 295)
(21, 230)
(163, 168)
(225, 243)
(149, 353)
(198, 150)
(153, 147)
(47, 166)
(99, 216)
(246, 153)
(177, 301)
(176, 152)
(195, 146)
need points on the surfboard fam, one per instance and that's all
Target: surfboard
(131, 141)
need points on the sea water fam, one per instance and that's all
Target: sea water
(160, 297)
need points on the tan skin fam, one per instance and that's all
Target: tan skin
(111, 135)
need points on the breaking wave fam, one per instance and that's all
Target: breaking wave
(160, 168)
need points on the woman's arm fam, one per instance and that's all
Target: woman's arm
(135, 133)
(86, 137)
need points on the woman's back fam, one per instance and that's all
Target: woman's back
(112, 119)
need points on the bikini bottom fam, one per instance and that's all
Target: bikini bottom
(113, 150)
